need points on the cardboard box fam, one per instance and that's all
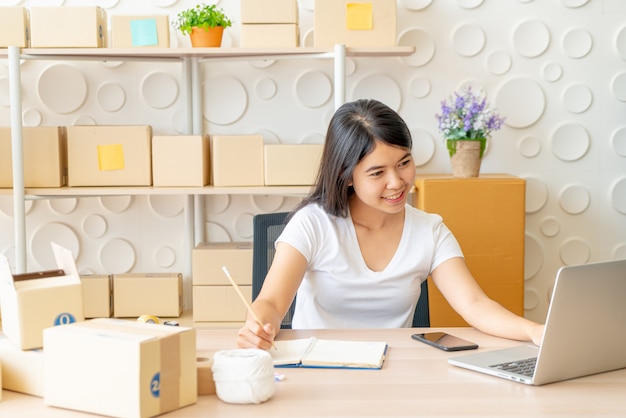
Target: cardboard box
(207, 260)
(237, 160)
(219, 303)
(22, 370)
(136, 294)
(14, 26)
(44, 157)
(365, 23)
(68, 27)
(30, 305)
(278, 35)
(486, 214)
(268, 11)
(140, 31)
(97, 295)
(180, 160)
(120, 368)
(292, 164)
(109, 155)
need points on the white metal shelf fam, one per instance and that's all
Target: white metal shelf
(191, 60)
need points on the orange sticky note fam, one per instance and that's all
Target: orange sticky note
(359, 16)
(110, 157)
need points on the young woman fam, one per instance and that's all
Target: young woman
(356, 253)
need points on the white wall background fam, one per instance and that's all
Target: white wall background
(555, 68)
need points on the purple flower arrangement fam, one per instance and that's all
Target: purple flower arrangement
(467, 116)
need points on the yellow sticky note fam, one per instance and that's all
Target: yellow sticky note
(359, 16)
(110, 157)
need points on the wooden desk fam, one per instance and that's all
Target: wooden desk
(415, 380)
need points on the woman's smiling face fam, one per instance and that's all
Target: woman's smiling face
(383, 178)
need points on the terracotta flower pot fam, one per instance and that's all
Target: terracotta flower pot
(465, 161)
(206, 38)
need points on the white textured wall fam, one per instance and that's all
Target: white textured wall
(555, 68)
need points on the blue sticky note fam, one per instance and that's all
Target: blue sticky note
(144, 32)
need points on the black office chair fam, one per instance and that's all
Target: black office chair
(266, 228)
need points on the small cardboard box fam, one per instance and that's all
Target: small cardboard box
(292, 164)
(97, 295)
(219, 303)
(133, 31)
(237, 160)
(44, 157)
(68, 27)
(136, 294)
(366, 23)
(180, 160)
(266, 35)
(14, 26)
(109, 155)
(31, 304)
(120, 368)
(269, 11)
(207, 260)
(22, 370)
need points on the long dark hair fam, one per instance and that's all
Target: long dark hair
(351, 136)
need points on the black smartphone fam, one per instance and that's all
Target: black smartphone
(444, 341)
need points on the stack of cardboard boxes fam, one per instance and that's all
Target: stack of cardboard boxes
(47, 349)
(269, 24)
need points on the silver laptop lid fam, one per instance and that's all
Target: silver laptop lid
(586, 323)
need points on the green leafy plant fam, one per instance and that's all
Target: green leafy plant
(467, 116)
(201, 16)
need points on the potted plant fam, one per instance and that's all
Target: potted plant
(466, 122)
(204, 24)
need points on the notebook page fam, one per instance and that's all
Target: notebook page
(290, 351)
(339, 353)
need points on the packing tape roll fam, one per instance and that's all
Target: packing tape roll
(243, 375)
(206, 384)
(150, 319)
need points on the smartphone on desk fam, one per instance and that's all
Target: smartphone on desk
(444, 341)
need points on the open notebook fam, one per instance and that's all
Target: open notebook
(585, 330)
(314, 352)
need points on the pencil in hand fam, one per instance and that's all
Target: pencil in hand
(244, 300)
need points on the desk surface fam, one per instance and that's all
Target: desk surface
(416, 380)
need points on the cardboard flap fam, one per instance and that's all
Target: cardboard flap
(65, 261)
(6, 276)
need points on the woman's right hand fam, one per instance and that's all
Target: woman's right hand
(253, 335)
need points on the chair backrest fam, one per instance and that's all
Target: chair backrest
(266, 228)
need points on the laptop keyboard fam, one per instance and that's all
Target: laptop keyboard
(524, 367)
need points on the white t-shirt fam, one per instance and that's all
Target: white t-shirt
(340, 291)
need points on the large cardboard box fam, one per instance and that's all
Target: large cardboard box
(29, 305)
(120, 368)
(266, 35)
(237, 160)
(136, 294)
(180, 160)
(207, 260)
(140, 31)
(268, 11)
(68, 27)
(109, 155)
(22, 370)
(14, 26)
(97, 295)
(219, 303)
(292, 164)
(44, 157)
(363, 23)
(486, 214)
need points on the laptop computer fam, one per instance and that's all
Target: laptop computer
(585, 331)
